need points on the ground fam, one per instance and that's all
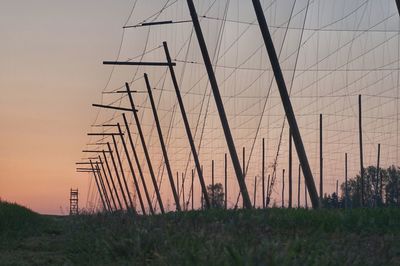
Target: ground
(216, 237)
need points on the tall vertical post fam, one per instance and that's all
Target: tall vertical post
(219, 104)
(267, 198)
(212, 184)
(255, 191)
(377, 174)
(112, 180)
(117, 174)
(286, 103)
(122, 173)
(98, 186)
(177, 183)
(361, 149)
(192, 189)
(108, 183)
(146, 192)
(263, 192)
(226, 181)
(290, 169)
(244, 168)
(202, 195)
(163, 148)
(305, 197)
(183, 193)
(263, 173)
(283, 188)
(187, 126)
(345, 184)
(298, 188)
(146, 152)
(321, 167)
(135, 181)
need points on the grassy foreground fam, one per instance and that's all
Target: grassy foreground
(257, 237)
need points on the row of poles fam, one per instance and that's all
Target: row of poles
(104, 179)
(108, 190)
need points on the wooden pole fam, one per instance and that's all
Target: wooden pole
(135, 181)
(187, 126)
(202, 195)
(321, 162)
(177, 184)
(183, 192)
(226, 181)
(283, 188)
(163, 147)
(146, 192)
(346, 182)
(287, 105)
(361, 150)
(212, 184)
(255, 191)
(108, 183)
(112, 181)
(108, 202)
(117, 174)
(123, 173)
(298, 188)
(244, 168)
(146, 152)
(267, 199)
(219, 104)
(290, 169)
(192, 189)
(377, 174)
(98, 187)
(263, 173)
(305, 196)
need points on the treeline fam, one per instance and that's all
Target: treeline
(377, 189)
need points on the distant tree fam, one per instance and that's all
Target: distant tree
(378, 191)
(216, 195)
(392, 186)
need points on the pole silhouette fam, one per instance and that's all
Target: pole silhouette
(107, 182)
(135, 181)
(163, 148)
(117, 174)
(146, 153)
(263, 173)
(122, 173)
(361, 150)
(146, 192)
(219, 104)
(187, 126)
(290, 169)
(286, 102)
(112, 180)
(321, 166)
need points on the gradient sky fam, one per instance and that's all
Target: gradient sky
(51, 72)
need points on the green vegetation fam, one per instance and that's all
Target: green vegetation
(216, 237)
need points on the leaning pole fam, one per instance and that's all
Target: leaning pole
(220, 106)
(301, 153)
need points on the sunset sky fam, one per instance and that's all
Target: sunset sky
(51, 72)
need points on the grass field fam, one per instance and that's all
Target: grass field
(217, 237)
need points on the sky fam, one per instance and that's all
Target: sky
(51, 72)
